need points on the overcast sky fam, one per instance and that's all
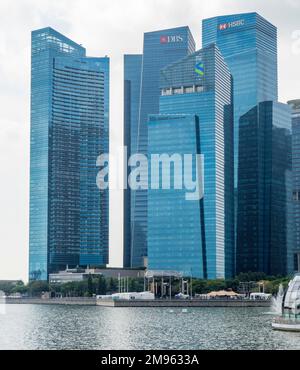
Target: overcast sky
(104, 27)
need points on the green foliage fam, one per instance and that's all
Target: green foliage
(272, 286)
(232, 284)
(272, 283)
(136, 284)
(36, 288)
(101, 286)
(112, 285)
(74, 289)
(20, 288)
(8, 287)
(90, 286)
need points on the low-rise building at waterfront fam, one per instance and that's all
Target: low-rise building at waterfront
(78, 274)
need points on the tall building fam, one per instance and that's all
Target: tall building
(69, 129)
(194, 236)
(132, 88)
(295, 105)
(264, 215)
(176, 232)
(248, 43)
(161, 48)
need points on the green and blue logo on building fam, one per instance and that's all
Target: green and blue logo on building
(199, 68)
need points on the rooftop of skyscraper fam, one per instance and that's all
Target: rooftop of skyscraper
(237, 15)
(56, 40)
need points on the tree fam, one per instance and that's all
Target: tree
(232, 284)
(7, 286)
(35, 288)
(101, 286)
(22, 289)
(112, 285)
(199, 286)
(215, 285)
(90, 286)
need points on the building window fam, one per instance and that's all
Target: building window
(189, 89)
(199, 88)
(177, 90)
(166, 92)
(296, 195)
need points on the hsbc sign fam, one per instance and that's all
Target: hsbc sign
(170, 39)
(225, 26)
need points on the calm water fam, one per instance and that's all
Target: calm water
(75, 327)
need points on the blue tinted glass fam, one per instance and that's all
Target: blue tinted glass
(69, 129)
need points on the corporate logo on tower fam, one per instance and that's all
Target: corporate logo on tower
(225, 26)
(199, 68)
(170, 39)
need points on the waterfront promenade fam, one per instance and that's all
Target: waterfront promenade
(183, 303)
(82, 301)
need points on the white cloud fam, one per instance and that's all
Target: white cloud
(104, 27)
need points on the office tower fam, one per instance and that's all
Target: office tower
(248, 44)
(161, 48)
(176, 234)
(69, 129)
(264, 216)
(194, 236)
(132, 87)
(295, 105)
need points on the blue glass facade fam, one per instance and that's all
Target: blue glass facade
(132, 88)
(176, 238)
(161, 48)
(295, 105)
(248, 43)
(264, 216)
(94, 203)
(208, 95)
(69, 129)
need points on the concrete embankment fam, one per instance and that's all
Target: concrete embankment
(183, 303)
(142, 303)
(55, 301)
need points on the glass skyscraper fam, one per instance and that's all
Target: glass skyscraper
(295, 105)
(132, 88)
(248, 43)
(264, 215)
(161, 48)
(69, 129)
(176, 233)
(195, 237)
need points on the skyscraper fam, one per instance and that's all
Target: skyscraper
(132, 88)
(194, 236)
(264, 215)
(295, 105)
(69, 129)
(248, 43)
(161, 48)
(176, 231)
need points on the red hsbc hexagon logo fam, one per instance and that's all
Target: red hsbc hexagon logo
(225, 26)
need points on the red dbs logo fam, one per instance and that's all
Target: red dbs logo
(223, 26)
(163, 39)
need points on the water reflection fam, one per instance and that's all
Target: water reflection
(75, 327)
